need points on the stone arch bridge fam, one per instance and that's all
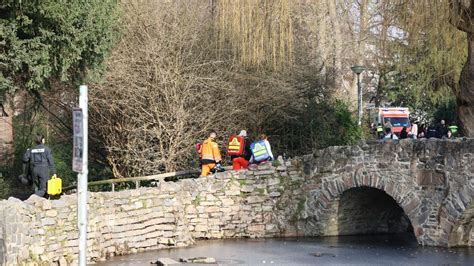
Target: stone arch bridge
(428, 184)
(422, 186)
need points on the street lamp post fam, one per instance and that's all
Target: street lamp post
(358, 70)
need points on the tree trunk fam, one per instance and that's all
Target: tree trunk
(465, 96)
(6, 134)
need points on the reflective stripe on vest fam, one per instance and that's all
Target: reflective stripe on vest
(234, 144)
(259, 151)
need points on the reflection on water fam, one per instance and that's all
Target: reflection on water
(343, 250)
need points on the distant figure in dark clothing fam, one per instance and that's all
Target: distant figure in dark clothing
(388, 124)
(441, 130)
(40, 159)
(422, 131)
(421, 135)
(431, 132)
(404, 133)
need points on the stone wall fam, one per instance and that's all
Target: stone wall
(230, 204)
(432, 181)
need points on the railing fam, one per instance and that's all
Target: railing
(159, 177)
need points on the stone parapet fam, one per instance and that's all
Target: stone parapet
(429, 182)
(229, 204)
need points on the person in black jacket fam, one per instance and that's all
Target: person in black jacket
(40, 159)
(431, 132)
(404, 133)
(441, 130)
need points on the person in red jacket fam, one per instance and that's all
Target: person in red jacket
(242, 161)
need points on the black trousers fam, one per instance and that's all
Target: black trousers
(40, 178)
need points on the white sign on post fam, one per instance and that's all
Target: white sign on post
(78, 140)
(81, 148)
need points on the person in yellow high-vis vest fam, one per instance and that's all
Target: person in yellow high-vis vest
(210, 154)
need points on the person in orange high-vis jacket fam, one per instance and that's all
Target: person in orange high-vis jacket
(210, 154)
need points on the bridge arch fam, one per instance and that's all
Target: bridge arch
(431, 180)
(326, 203)
(365, 210)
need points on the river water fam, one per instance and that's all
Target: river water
(341, 250)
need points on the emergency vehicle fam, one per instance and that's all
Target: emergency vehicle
(399, 117)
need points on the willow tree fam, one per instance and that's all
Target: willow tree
(447, 22)
(260, 33)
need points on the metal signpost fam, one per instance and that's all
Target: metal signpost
(358, 70)
(79, 165)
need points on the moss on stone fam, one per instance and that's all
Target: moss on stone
(197, 200)
(299, 209)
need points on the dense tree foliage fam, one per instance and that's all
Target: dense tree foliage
(48, 47)
(430, 51)
(43, 41)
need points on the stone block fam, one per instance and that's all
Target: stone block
(201, 228)
(166, 261)
(212, 209)
(46, 205)
(166, 227)
(273, 181)
(48, 221)
(227, 202)
(233, 191)
(411, 206)
(428, 178)
(37, 250)
(438, 179)
(211, 197)
(247, 188)
(256, 228)
(207, 203)
(254, 199)
(274, 194)
(51, 213)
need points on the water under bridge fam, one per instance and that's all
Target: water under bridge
(421, 186)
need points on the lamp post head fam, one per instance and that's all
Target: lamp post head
(358, 69)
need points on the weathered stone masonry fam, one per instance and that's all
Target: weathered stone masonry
(431, 180)
(232, 204)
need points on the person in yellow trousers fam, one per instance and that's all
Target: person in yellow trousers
(210, 154)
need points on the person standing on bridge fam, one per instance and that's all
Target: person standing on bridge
(210, 154)
(261, 150)
(239, 150)
(414, 130)
(389, 134)
(41, 162)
